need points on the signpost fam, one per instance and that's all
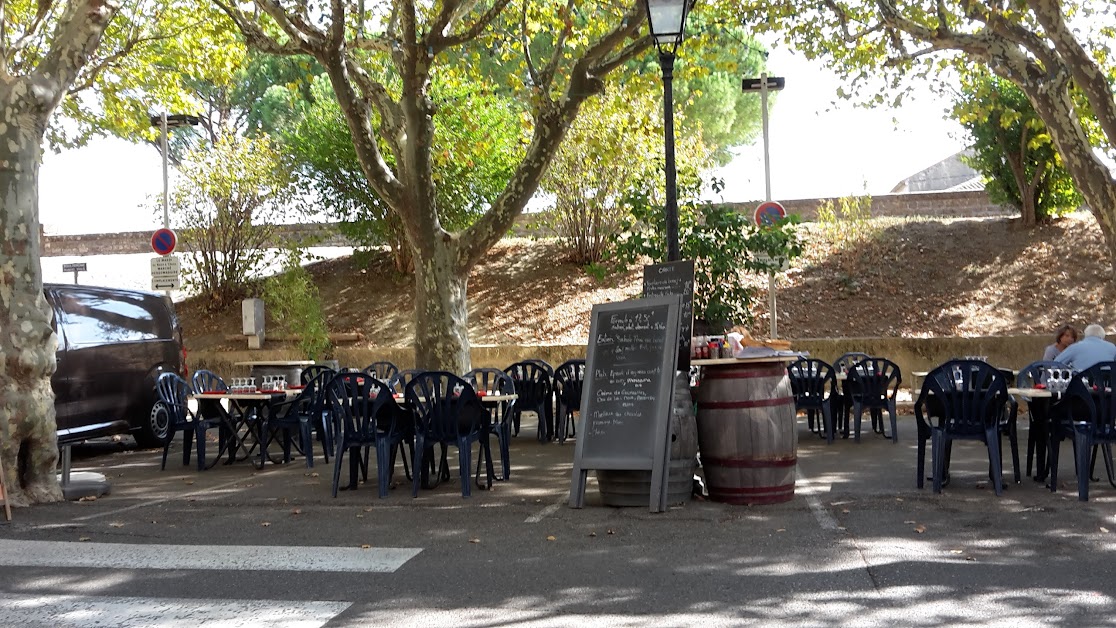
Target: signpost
(764, 84)
(768, 213)
(629, 380)
(75, 268)
(165, 273)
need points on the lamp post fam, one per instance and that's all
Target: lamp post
(763, 85)
(164, 122)
(667, 20)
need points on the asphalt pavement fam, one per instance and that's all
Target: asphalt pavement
(858, 545)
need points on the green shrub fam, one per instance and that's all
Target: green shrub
(723, 243)
(296, 308)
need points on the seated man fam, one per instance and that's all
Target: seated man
(1090, 350)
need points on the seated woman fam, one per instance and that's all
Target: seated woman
(1064, 337)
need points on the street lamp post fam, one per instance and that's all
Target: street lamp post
(165, 122)
(763, 85)
(667, 20)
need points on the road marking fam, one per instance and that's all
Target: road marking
(825, 520)
(545, 512)
(145, 504)
(125, 612)
(203, 557)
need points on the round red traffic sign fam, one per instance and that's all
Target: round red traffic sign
(163, 241)
(768, 213)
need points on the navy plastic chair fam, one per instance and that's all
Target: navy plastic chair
(569, 381)
(533, 385)
(399, 381)
(208, 381)
(312, 371)
(495, 381)
(969, 401)
(303, 414)
(367, 418)
(873, 384)
(447, 411)
(841, 366)
(382, 371)
(1038, 419)
(173, 393)
(814, 386)
(1088, 411)
(553, 395)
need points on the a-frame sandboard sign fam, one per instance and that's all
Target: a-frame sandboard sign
(626, 399)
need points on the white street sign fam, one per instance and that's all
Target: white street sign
(780, 264)
(165, 273)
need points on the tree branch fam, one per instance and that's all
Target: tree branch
(75, 39)
(256, 37)
(551, 69)
(391, 115)
(439, 42)
(526, 43)
(1087, 75)
(335, 36)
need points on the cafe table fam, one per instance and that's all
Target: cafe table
(247, 413)
(1038, 402)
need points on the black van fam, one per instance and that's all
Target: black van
(112, 346)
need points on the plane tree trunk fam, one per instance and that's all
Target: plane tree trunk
(403, 121)
(28, 431)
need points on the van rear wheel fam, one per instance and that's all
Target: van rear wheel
(155, 428)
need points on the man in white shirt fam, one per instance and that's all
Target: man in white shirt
(1091, 349)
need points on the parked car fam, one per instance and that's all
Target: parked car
(112, 346)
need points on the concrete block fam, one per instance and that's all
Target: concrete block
(252, 317)
(255, 341)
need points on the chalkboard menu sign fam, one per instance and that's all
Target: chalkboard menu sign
(675, 278)
(625, 406)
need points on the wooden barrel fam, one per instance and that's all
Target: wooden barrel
(633, 488)
(746, 432)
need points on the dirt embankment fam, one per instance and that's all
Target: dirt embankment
(964, 277)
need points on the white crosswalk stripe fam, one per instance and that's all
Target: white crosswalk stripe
(203, 557)
(66, 611)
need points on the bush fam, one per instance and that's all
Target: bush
(295, 306)
(723, 244)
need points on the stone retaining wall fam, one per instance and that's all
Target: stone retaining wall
(936, 204)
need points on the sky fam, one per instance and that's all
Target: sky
(821, 149)
(817, 149)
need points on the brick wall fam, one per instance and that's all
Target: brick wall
(936, 204)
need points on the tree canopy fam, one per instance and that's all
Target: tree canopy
(1012, 149)
(390, 62)
(1059, 53)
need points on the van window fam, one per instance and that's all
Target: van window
(91, 318)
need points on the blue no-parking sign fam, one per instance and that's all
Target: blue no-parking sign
(768, 213)
(163, 241)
